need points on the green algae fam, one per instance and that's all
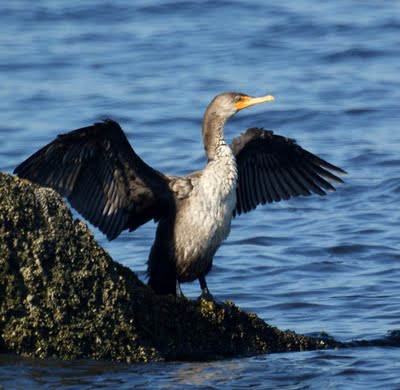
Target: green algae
(61, 295)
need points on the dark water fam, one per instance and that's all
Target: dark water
(312, 264)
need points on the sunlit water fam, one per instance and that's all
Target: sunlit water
(311, 264)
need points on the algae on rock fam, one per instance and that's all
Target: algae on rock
(61, 295)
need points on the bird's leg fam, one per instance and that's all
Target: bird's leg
(205, 292)
(179, 293)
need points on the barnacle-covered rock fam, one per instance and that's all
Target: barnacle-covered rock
(61, 295)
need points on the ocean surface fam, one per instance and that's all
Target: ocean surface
(310, 264)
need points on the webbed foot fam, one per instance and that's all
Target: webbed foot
(207, 296)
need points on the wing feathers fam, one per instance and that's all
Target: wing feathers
(272, 168)
(266, 184)
(103, 178)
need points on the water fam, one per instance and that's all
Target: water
(310, 264)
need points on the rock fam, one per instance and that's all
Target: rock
(61, 295)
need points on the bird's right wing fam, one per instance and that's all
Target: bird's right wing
(272, 168)
(103, 178)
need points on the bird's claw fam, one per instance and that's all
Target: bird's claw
(207, 296)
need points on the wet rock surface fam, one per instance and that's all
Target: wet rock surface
(61, 295)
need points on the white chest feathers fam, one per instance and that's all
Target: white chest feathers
(205, 220)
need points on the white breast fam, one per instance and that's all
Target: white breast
(205, 222)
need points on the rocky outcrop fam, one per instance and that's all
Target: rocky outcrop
(61, 295)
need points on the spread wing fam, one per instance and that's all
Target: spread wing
(272, 167)
(101, 175)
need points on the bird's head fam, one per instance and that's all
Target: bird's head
(228, 104)
(222, 107)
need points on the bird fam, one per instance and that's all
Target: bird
(98, 171)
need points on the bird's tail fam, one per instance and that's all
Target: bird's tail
(162, 274)
(162, 285)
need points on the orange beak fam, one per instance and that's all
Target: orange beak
(247, 101)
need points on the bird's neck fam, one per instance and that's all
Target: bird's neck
(213, 134)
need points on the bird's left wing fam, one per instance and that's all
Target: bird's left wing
(104, 179)
(272, 168)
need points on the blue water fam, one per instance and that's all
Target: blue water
(311, 264)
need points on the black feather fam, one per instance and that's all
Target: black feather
(272, 168)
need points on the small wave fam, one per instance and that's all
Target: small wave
(359, 111)
(353, 53)
(348, 248)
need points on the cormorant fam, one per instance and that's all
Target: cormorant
(96, 168)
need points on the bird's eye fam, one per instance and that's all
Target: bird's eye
(238, 98)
